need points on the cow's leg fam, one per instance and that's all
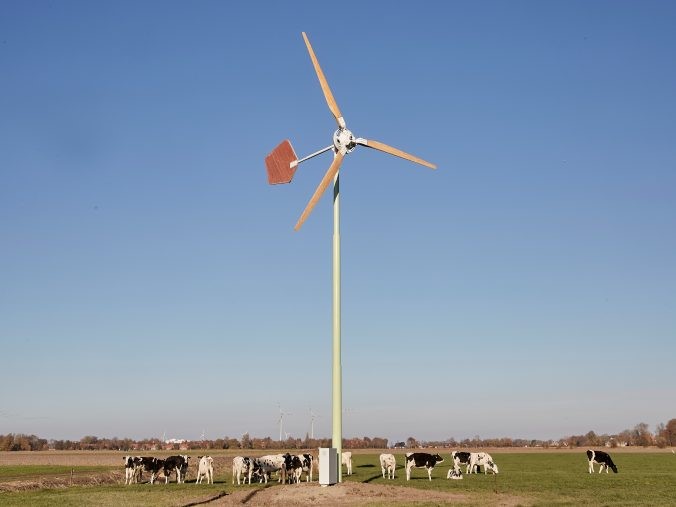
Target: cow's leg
(429, 473)
(408, 472)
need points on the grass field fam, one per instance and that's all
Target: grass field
(532, 478)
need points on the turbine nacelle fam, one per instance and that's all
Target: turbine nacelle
(344, 141)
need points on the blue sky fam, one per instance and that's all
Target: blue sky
(151, 280)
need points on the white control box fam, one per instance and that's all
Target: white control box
(328, 466)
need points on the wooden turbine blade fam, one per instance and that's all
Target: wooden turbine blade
(333, 106)
(393, 151)
(333, 169)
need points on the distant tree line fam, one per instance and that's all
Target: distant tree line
(640, 435)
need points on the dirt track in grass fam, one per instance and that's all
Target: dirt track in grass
(351, 493)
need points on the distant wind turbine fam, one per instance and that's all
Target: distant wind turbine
(313, 416)
(281, 420)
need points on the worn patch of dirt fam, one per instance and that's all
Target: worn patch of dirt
(349, 493)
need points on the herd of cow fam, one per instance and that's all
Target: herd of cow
(291, 467)
(134, 466)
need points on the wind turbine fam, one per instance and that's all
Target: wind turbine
(281, 420)
(281, 165)
(313, 416)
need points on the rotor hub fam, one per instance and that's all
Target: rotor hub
(344, 141)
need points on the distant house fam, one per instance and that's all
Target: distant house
(399, 445)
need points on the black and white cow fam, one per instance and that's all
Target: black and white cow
(421, 460)
(481, 459)
(307, 461)
(461, 458)
(454, 473)
(473, 462)
(132, 469)
(178, 464)
(242, 466)
(294, 467)
(271, 463)
(151, 465)
(602, 458)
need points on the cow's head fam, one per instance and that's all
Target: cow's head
(613, 468)
(492, 467)
(438, 458)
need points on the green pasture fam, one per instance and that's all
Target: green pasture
(547, 478)
(542, 478)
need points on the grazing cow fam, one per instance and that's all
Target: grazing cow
(130, 469)
(152, 465)
(205, 469)
(602, 458)
(308, 461)
(242, 466)
(176, 464)
(454, 473)
(482, 459)
(388, 464)
(461, 458)
(271, 463)
(421, 460)
(346, 459)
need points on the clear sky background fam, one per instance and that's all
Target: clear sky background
(151, 280)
